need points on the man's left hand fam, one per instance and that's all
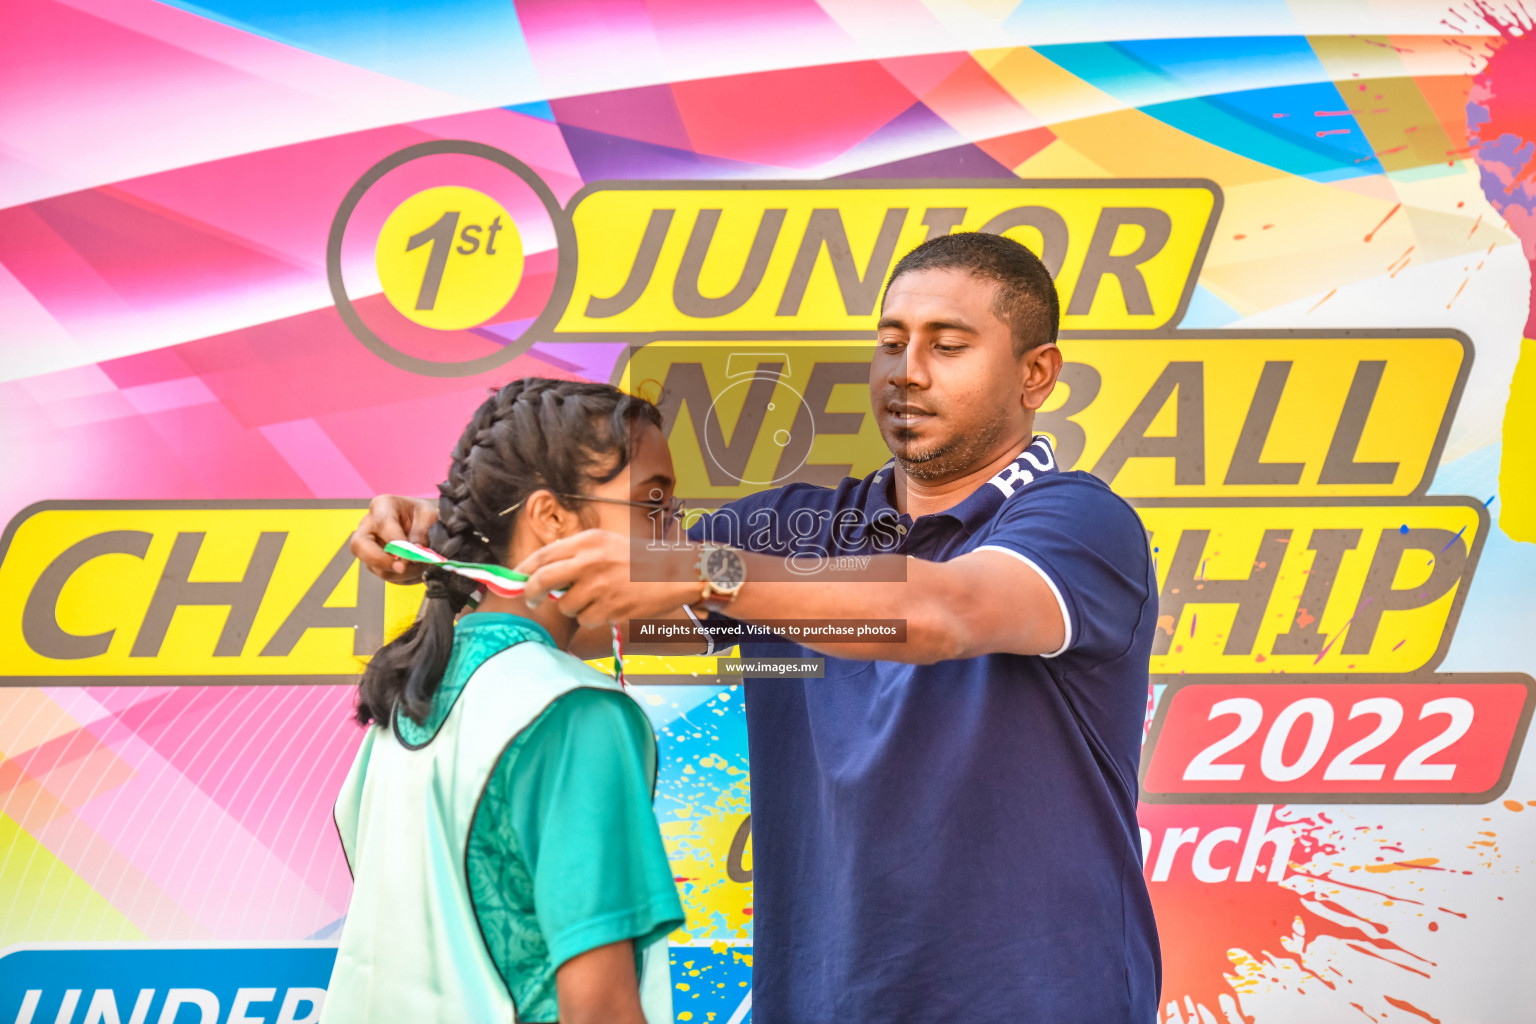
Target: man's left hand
(610, 579)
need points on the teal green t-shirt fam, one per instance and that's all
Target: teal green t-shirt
(564, 852)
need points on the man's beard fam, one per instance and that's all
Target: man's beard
(944, 459)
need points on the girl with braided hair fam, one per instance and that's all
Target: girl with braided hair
(506, 860)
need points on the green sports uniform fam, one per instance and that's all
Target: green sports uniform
(510, 832)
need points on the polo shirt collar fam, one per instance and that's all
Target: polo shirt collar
(1036, 460)
(877, 503)
(512, 628)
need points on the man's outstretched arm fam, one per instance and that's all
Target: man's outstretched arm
(395, 517)
(983, 602)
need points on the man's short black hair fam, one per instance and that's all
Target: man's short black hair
(1026, 295)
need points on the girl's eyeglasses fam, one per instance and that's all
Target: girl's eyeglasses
(671, 509)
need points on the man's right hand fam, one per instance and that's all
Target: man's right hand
(393, 517)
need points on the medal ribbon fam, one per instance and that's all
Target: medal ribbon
(497, 579)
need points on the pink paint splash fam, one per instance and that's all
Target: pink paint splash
(1501, 126)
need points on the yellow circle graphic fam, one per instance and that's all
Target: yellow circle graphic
(449, 258)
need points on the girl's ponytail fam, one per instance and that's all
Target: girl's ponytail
(404, 674)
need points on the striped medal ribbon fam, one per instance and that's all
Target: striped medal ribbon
(497, 579)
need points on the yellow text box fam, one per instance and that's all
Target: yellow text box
(786, 256)
(137, 592)
(1310, 588)
(1218, 415)
(1198, 415)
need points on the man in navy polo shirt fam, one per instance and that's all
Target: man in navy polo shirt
(943, 830)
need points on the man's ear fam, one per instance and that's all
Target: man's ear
(546, 520)
(1040, 367)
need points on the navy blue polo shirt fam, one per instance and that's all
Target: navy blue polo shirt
(957, 842)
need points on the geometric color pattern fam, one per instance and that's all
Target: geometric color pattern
(168, 174)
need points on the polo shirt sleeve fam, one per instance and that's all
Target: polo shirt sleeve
(1091, 549)
(582, 813)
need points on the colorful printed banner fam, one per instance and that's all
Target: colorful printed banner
(259, 261)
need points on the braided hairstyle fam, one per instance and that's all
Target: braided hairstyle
(533, 434)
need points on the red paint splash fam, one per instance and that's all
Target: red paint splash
(1201, 922)
(1403, 1004)
(1378, 956)
(1378, 227)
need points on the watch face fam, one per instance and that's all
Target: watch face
(724, 569)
